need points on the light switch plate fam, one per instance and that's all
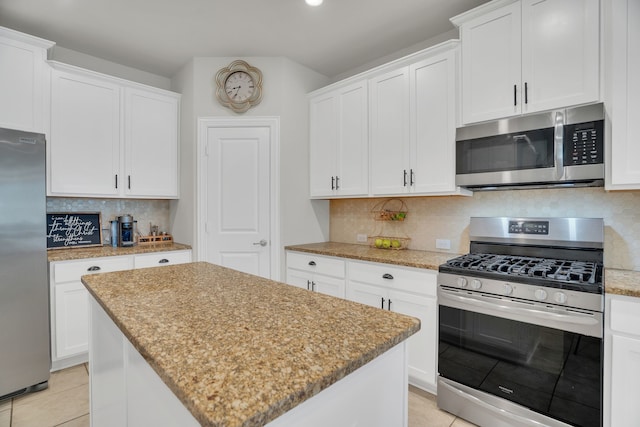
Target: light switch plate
(361, 238)
(443, 244)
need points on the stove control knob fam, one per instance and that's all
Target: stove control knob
(462, 282)
(476, 284)
(560, 297)
(507, 289)
(540, 294)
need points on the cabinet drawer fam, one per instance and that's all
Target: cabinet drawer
(68, 271)
(158, 259)
(625, 315)
(316, 264)
(403, 278)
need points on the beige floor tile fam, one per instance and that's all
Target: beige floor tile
(5, 417)
(52, 409)
(423, 411)
(459, 422)
(59, 381)
(82, 421)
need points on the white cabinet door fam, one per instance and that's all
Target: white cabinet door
(151, 144)
(23, 81)
(560, 53)
(491, 65)
(624, 44)
(323, 139)
(353, 146)
(433, 124)
(366, 294)
(339, 161)
(625, 380)
(329, 286)
(423, 347)
(85, 136)
(390, 144)
(71, 319)
(300, 279)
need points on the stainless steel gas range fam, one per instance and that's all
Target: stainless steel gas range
(521, 324)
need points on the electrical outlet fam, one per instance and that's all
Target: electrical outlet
(361, 238)
(443, 244)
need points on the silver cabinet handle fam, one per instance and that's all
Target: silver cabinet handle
(94, 268)
(261, 243)
(163, 261)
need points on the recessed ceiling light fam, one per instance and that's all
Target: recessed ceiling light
(314, 2)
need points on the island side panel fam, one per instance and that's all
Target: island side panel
(374, 395)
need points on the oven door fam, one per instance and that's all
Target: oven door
(504, 362)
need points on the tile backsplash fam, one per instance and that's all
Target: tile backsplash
(447, 217)
(143, 211)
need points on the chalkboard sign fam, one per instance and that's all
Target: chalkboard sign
(73, 229)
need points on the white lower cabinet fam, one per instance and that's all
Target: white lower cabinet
(622, 361)
(316, 273)
(408, 291)
(69, 300)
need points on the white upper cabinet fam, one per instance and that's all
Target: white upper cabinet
(23, 81)
(150, 140)
(84, 147)
(110, 137)
(390, 142)
(413, 111)
(339, 142)
(623, 104)
(528, 56)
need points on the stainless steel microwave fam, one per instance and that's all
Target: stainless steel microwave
(557, 148)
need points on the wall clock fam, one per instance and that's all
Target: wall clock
(239, 86)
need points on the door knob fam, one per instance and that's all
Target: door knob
(261, 243)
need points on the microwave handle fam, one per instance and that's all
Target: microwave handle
(558, 142)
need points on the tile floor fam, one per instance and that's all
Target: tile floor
(66, 404)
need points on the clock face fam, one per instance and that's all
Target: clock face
(239, 86)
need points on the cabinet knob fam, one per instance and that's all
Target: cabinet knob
(312, 263)
(387, 276)
(163, 261)
(94, 268)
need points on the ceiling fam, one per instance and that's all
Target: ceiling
(160, 36)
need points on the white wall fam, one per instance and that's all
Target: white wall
(68, 56)
(285, 87)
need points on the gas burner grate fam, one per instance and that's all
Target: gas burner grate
(580, 272)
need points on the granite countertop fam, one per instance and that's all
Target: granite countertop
(620, 282)
(106, 251)
(237, 349)
(405, 257)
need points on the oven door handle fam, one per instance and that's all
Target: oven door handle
(502, 413)
(574, 318)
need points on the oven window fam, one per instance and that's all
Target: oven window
(550, 371)
(509, 152)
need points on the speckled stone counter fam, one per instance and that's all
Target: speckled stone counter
(106, 251)
(405, 257)
(239, 350)
(622, 282)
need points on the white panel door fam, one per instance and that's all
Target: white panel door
(85, 136)
(72, 319)
(238, 198)
(625, 377)
(151, 144)
(560, 53)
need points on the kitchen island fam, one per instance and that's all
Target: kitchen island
(202, 344)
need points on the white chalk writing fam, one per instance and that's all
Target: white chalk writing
(70, 230)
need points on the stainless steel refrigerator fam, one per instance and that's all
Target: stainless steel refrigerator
(24, 292)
